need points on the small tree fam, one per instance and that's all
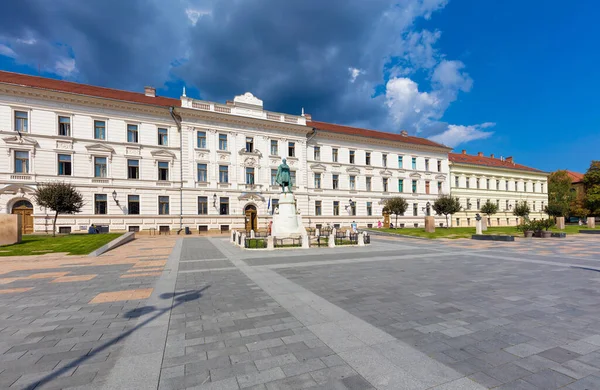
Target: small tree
(591, 181)
(522, 210)
(560, 195)
(396, 206)
(446, 205)
(555, 210)
(60, 197)
(489, 208)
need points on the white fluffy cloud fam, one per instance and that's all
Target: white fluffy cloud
(7, 51)
(459, 134)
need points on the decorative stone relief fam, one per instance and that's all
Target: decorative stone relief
(64, 145)
(132, 151)
(250, 162)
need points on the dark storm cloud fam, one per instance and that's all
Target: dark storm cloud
(121, 44)
(291, 54)
(328, 56)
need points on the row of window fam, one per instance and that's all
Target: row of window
(384, 157)
(64, 129)
(507, 206)
(368, 183)
(478, 184)
(133, 205)
(351, 208)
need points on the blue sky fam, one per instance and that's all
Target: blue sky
(507, 77)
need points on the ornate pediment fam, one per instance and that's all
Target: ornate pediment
(318, 168)
(353, 170)
(385, 173)
(163, 154)
(415, 175)
(255, 152)
(20, 141)
(440, 177)
(252, 196)
(249, 99)
(99, 148)
(14, 189)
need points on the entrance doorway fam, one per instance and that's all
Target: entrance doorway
(25, 209)
(251, 218)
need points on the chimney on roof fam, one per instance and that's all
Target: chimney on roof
(510, 160)
(308, 117)
(404, 133)
(492, 155)
(464, 151)
(150, 91)
(480, 154)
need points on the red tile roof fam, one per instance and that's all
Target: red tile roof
(487, 161)
(331, 127)
(575, 176)
(83, 89)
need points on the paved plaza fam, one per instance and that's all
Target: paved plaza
(402, 313)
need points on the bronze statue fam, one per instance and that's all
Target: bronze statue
(283, 178)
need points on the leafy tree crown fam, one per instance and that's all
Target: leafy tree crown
(446, 205)
(489, 208)
(59, 197)
(396, 205)
(521, 209)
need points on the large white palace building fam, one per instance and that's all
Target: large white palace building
(150, 163)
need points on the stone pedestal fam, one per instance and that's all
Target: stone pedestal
(317, 232)
(243, 241)
(348, 234)
(591, 222)
(252, 234)
(430, 224)
(10, 229)
(478, 227)
(331, 241)
(232, 236)
(484, 224)
(287, 222)
(560, 223)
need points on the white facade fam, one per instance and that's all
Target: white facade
(474, 184)
(131, 150)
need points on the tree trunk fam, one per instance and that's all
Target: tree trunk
(396, 225)
(54, 225)
(447, 221)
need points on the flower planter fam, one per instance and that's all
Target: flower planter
(546, 234)
(528, 233)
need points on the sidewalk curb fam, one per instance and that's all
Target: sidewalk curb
(121, 240)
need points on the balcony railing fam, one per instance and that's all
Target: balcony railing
(20, 176)
(242, 111)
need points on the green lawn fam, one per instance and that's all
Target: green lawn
(73, 244)
(466, 232)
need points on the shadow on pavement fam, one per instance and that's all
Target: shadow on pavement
(179, 298)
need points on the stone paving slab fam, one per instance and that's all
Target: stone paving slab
(53, 333)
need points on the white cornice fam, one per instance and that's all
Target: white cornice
(377, 141)
(61, 97)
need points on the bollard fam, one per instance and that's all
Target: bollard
(331, 240)
(361, 239)
(270, 243)
(252, 234)
(305, 241)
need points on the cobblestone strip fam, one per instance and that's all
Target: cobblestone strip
(376, 355)
(139, 363)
